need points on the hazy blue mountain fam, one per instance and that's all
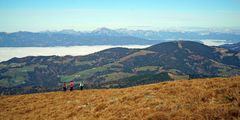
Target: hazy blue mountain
(183, 35)
(105, 36)
(68, 38)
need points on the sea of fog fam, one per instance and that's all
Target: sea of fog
(7, 53)
(214, 42)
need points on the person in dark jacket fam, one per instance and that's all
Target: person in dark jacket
(64, 86)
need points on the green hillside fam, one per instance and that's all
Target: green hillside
(119, 67)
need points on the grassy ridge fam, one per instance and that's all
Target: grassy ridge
(118, 67)
(216, 98)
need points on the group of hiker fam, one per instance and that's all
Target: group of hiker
(71, 86)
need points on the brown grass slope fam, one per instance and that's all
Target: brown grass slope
(217, 98)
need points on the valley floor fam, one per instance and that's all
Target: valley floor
(216, 98)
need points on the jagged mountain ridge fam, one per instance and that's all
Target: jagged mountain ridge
(106, 36)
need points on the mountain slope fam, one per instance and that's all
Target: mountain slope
(70, 38)
(216, 98)
(234, 47)
(119, 67)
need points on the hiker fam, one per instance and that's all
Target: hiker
(71, 85)
(81, 85)
(64, 86)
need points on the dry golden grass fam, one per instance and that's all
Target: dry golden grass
(211, 99)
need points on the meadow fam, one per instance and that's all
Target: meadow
(198, 99)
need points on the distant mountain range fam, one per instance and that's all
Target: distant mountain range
(105, 36)
(119, 67)
(234, 47)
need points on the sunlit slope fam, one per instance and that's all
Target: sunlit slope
(119, 67)
(217, 98)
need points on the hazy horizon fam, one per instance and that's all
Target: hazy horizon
(170, 29)
(42, 15)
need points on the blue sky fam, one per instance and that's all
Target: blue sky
(40, 15)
